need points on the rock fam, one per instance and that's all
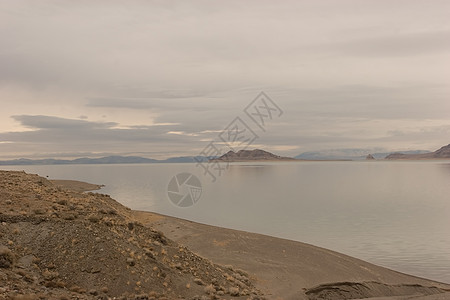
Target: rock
(39, 211)
(234, 291)
(6, 257)
(130, 261)
(370, 157)
(199, 281)
(94, 218)
(26, 261)
(93, 292)
(68, 216)
(210, 290)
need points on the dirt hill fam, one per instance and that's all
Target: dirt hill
(64, 244)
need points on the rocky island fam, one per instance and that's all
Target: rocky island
(442, 153)
(251, 155)
(370, 157)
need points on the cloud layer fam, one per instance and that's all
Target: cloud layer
(163, 78)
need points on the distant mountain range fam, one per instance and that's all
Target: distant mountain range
(243, 155)
(251, 155)
(349, 154)
(442, 153)
(103, 160)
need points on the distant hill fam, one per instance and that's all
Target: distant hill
(103, 160)
(349, 154)
(251, 155)
(242, 155)
(442, 153)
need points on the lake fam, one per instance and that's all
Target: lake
(391, 213)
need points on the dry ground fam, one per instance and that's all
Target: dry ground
(57, 243)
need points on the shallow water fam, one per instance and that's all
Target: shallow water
(394, 214)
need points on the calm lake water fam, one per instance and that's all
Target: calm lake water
(394, 214)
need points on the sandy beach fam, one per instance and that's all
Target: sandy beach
(58, 242)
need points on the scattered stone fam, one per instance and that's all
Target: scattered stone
(39, 211)
(234, 291)
(68, 216)
(131, 262)
(210, 290)
(199, 281)
(149, 253)
(94, 218)
(6, 257)
(93, 292)
(62, 201)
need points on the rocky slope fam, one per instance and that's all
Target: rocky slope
(442, 153)
(63, 244)
(250, 155)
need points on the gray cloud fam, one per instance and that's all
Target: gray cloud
(50, 122)
(96, 77)
(172, 103)
(400, 45)
(83, 136)
(121, 103)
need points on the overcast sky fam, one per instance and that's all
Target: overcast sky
(162, 78)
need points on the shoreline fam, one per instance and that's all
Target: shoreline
(279, 268)
(75, 185)
(282, 268)
(152, 218)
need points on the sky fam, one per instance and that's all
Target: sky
(165, 78)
